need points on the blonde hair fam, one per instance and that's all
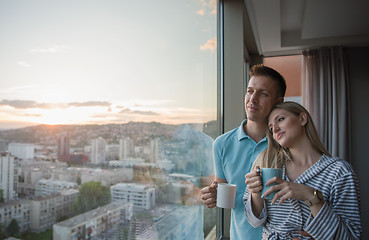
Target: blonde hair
(275, 155)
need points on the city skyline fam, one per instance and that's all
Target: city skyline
(92, 62)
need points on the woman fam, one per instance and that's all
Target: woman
(318, 195)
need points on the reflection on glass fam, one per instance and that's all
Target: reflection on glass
(107, 118)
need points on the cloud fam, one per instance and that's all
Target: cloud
(210, 6)
(24, 104)
(52, 49)
(203, 2)
(90, 104)
(33, 115)
(24, 64)
(144, 103)
(149, 113)
(138, 112)
(201, 12)
(125, 115)
(211, 45)
(27, 104)
(101, 116)
(213, 6)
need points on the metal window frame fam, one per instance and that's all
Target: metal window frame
(232, 79)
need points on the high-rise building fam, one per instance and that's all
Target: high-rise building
(154, 146)
(112, 152)
(9, 175)
(22, 150)
(63, 148)
(98, 150)
(2, 145)
(125, 146)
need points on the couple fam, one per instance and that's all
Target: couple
(318, 195)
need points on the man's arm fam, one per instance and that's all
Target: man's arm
(206, 180)
(209, 193)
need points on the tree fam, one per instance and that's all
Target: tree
(1, 196)
(2, 231)
(20, 179)
(79, 180)
(91, 195)
(62, 218)
(13, 228)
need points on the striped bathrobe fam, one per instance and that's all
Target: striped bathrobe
(339, 218)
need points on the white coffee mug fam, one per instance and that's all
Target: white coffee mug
(226, 194)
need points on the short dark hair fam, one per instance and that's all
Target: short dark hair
(261, 70)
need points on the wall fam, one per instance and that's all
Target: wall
(359, 89)
(291, 69)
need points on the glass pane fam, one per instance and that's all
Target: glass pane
(107, 118)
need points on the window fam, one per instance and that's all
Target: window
(98, 95)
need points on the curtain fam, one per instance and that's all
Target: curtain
(326, 96)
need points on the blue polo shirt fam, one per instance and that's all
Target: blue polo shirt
(234, 153)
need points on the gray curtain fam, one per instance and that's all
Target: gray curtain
(326, 96)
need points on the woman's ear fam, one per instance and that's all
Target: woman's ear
(303, 119)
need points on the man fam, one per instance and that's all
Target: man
(235, 151)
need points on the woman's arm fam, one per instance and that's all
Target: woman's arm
(254, 186)
(337, 219)
(254, 204)
(286, 189)
(255, 221)
(340, 218)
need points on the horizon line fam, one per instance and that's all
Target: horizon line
(91, 124)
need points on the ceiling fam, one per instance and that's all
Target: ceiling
(283, 27)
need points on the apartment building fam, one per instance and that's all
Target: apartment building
(140, 195)
(69, 174)
(46, 187)
(47, 210)
(112, 152)
(33, 170)
(166, 165)
(9, 176)
(125, 148)
(107, 177)
(22, 150)
(18, 210)
(98, 150)
(63, 148)
(3, 145)
(92, 224)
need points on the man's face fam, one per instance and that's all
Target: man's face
(261, 96)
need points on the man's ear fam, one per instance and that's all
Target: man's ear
(303, 119)
(280, 100)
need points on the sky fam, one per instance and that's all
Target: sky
(107, 61)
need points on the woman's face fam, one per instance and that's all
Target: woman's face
(287, 128)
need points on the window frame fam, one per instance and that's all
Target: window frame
(233, 65)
